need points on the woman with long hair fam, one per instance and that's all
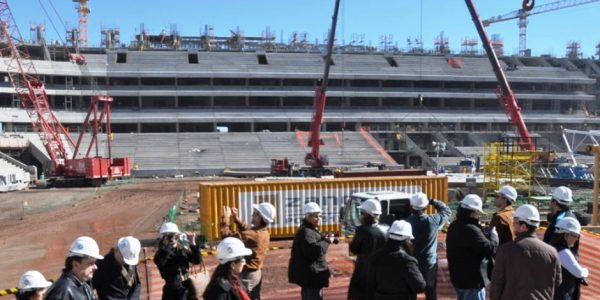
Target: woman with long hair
(224, 283)
(32, 286)
(564, 238)
(393, 273)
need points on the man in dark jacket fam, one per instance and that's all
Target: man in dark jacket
(425, 229)
(117, 277)
(308, 265)
(469, 250)
(368, 237)
(526, 268)
(80, 266)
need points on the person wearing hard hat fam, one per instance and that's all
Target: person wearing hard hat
(525, 268)
(32, 286)
(393, 272)
(176, 251)
(80, 266)
(503, 218)
(224, 283)
(256, 237)
(308, 265)
(562, 197)
(469, 250)
(117, 276)
(368, 237)
(425, 229)
(566, 235)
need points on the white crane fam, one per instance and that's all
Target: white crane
(529, 10)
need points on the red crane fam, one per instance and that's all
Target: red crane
(504, 92)
(315, 162)
(32, 94)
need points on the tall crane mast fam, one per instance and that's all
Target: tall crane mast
(530, 10)
(504, 92)
(32, 94)
(84, 10)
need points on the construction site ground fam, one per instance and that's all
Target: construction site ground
(39, 225)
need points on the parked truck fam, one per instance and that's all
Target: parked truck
(289, 197)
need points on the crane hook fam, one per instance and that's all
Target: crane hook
(526, 6)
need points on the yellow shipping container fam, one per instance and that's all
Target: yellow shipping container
(289, 197)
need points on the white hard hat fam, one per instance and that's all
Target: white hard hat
(230, 249)
(32, 280)
(311, 208)
(568, 224)
(509, 193)
(266, 211)
(419, 201)
(85, 246)
(472, 202)
(371, 207)
(169, 227)
(527, 213)
(400, 231)
(130, 249)
(563, 195)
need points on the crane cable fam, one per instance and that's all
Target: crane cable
(63, 42)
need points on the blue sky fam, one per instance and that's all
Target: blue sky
(547, 33)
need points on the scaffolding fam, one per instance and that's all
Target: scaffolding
(507, 163)
(574, 50)
(442, 46)
(469, 46)
(497, 44)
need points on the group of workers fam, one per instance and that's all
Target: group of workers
(392, 262)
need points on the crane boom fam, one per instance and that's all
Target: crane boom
(505, 93)
(32, 94)
(536, 10)
(314, 158)
(29, 88)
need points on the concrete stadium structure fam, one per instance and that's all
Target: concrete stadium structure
(404, 100)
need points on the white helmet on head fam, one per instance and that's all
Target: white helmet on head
(85, 246)
(472, 202)
(419, 201)
(311, 208)
(230, 249)
(169, 227)
(568, 224)
(32, 280)
(371, 207)
(266, 210)
(527, 213)
(130, 247)
(563, 195)
(509, 193)
(400, 231)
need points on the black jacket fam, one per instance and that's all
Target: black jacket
(308, 265)
(110, 283)
(367, 239)
(469, 253)
(569, 283)
(393, 274)
(68, 287)
(173, 265)
(220, 289)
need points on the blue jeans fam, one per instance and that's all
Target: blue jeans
(470, 294)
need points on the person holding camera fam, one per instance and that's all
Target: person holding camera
(308, 265)
(256, 237)
(175, 253)
(368, 237)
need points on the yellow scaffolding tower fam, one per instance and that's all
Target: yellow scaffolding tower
(505, 163)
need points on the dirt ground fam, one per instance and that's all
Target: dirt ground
(38, 226)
